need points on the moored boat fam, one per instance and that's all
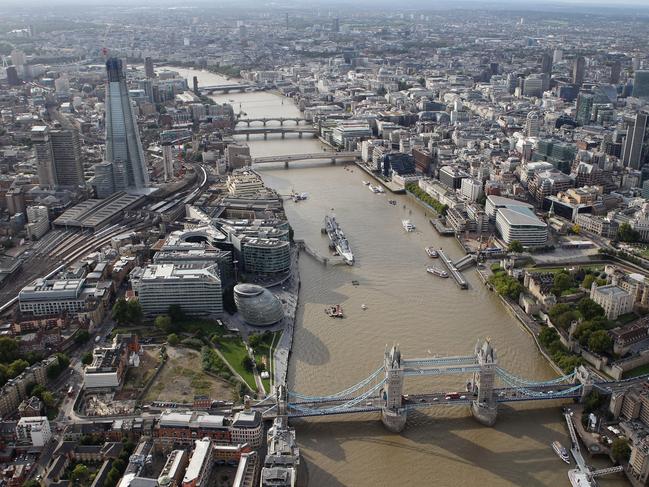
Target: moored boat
(561, 451)
(437, 271)
(335, 311)
(432, 253)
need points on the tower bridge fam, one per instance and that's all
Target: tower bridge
(486, 383)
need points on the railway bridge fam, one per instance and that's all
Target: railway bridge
(265, 120)
(486, 385)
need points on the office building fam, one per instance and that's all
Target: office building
(584, 108)
(12, 76)
(546, 63)
(579, 70)
(123, 145)
(471, 189)
(182, 428)
(616, 70)
(557, 56)
(257, 305)
(452, 176)
(244, 184)
(38, 221)
(148, 67)
(33, 431)
(195, 288)
(53, 296)
(173, 471)
(518, 222)
(247, 427)
(615, 300)
(200, 465)
(108, 366)
(237, 156)
(283, 456)
(641, 84)
(58, 154)
(265, 255)
(533, 124)
(635, 152)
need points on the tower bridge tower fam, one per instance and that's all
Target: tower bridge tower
(393, 414)
(484, 407)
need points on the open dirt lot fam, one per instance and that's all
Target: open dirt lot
(182, 378)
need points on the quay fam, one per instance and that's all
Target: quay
(457, 275)
(441, 228)
(394, 188)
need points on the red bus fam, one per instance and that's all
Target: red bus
(452, 395)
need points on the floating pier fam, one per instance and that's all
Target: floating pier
(457, 275)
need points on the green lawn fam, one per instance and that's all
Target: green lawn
(643, 369)
(263, 349)
(626, 319)
(209, 327)
(554, 270)
(234, 351)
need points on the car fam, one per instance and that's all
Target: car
(436, 399)
(368, 403)
(550, 392)
(447, 398)
(422, 400)
(462, 397)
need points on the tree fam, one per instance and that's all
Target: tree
(120, 311)
(599, 341)
(247, 363)
(557, 310)
(79, 473)
(82, 336)
(588, 281)
(627, 234)
(620, 450)
(176, 312)
(548, 336)
(31, 483)
(589, 309)
(134, 312)
(562, 282)
(8, 349)
(255, 340)
(163, 323)
(48, 399)
(16, 367)
(564, 320)
(515, 246)
(87, 358)
(173, 339)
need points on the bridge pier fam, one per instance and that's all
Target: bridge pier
(393, 414)
(484, 407)
(265, 135)
(283, 135)
(286, 164)
(247, 136)
(300, 134)
(584, 377)
(264, 122)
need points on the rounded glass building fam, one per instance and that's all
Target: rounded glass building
(257, 305)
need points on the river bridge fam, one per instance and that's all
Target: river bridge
(487, 386)
(333, 157)
(248, 131)
(241, 87)
(265, 120)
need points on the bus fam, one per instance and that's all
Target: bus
(452, 395)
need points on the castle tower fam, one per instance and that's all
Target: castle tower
(393, 415)
(484, 406)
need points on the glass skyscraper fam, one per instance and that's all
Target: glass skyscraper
(123, 145)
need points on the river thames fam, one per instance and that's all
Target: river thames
(424, 314)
